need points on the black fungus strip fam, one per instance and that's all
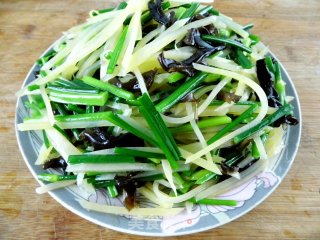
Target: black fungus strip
(228, 97)
(172, 18)
(149, 78)
(157, 12)
(228, 169)
(200, 55)
(133, 84)
(185, 66)
(129, 186)
(266, 82)
(148, 28)
(208, 29)
(189, 38)
(171, 65)
(56, 163)
(99, 139)
(289, 119)
(193, 38)
(233, 156)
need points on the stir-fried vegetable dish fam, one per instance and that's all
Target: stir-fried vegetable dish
(169, 100)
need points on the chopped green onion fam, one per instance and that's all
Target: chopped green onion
(116, 120)
(122, 5)
(248, 27)
(233, 124)
(243, 60)
(46, 57)
(155, 160)
(151, 178)
(62, 111)
(138, 153)
(249, 119)
(175, 77)
(93, 158)
(66, 89)
(46, 177)
(205, 10)
(79, 99)
(102, 184)
(146, 16)
(60, 108)
(226, 41)
(212, 78)
(178, 180)
(112, 190)
(45, 139)
(94, 174)
(82, 84)
(33, 87)
(283, 111)
(117, 50)
(63, 83)
(108, 87)
(165, 5)
(204, 123)
(269, 64)
(36, 111)
(75, 108)
(61, 131)
(199, 174)
(220, 102)
(224, 33)
(163, 136)
(190, 11)
(43, 73)
(280, 85)
(181, 91)
(97, 12)
(254, 39)
(179, 12)
(216, 202)
(110, 117)
(82, 117)
(184, 186)
(187, 5)
(207, 177)
(255, 152)
(213, 56)
(214, 12)
(39, 101)
(187, 174)
(246, 42)
(217, 103)
(89, 109)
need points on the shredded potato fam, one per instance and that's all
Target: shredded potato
(171, 100)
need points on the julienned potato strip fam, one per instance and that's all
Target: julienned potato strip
(163, 98)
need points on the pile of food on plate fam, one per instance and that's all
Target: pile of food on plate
(166, 99)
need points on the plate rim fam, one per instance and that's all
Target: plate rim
(162, 234)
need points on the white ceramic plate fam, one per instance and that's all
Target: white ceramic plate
(202, 218)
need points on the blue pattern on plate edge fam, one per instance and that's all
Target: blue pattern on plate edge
(202, 217)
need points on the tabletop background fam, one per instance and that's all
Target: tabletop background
(289, 27)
